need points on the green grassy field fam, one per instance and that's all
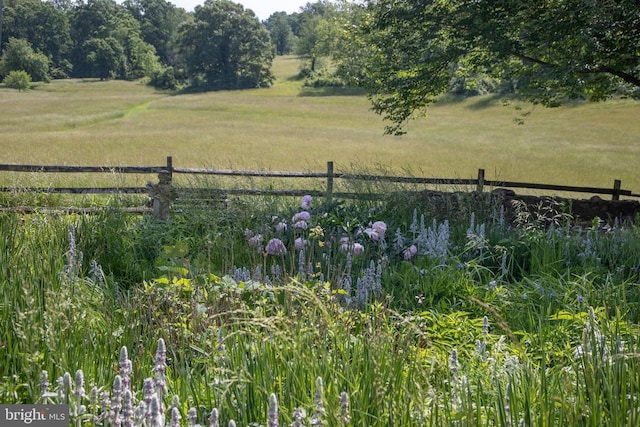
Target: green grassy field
(288, 127)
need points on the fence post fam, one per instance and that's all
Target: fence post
(170, 166)
(162, 193)
(329, 182)
(480, 184)
(617, 185)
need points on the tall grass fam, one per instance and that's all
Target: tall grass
(287, 127)
(485, 323)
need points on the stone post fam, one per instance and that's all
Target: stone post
(161, 195)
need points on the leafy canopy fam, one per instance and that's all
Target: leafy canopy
(228, 46)
(549, 50)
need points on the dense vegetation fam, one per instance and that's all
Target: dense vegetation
(392, 312)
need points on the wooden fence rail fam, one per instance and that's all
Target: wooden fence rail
(161, 196)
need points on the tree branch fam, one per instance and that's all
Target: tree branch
(603, 69)
(631, 79)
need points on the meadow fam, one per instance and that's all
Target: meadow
(292, 128)
(268, 311)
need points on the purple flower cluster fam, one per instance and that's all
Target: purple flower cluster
(276, 247)
(376, 231)
(346, 245)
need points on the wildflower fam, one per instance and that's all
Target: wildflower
(301, 216)
(453, 364)
(192, 414)
(175, 417)
(344, 244)
(301, 225)
(507, 403)
(97, 274)
(159, 369)
(79, 392)
(276, 247)
(213, 418)
(281, 227)
(373, 234)
(44, 383)
(299, 414)
(410, 252)
(155, 412)
(116, 399)
(380, 227)
(300, 243)
(128, 413)
(316, 232)
(125, 367)
(492, 284)
(357, 249)
(580, 299)
(140, 413)
(256, 241)
(66, 384)
(306, 202)
(318, 415)
(485, 325)
(273, 411)
(344, 408)
(147, 390)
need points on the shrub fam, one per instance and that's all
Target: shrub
(19, 55)
(20, 80)
(164, 78)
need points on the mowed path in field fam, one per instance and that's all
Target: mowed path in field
(288, 127)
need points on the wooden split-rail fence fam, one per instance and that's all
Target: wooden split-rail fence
(163, 193)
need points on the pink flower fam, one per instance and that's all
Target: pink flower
(410, 252)
(357, 249)
(300, 243)
(301, 216)
(301, 225)
(281, 227)
(373, 234)
(275, 247)
(306, 202)
(344, 244)
(380, 227)
(256, 241)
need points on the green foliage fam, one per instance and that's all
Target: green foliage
(282, 37)
(20, 80)
(487, 323)
(229, 46)
(20, 56)
(550, 53)
(44, 25)
(108, 42)
(164, 78)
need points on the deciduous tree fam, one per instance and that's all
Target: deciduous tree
(228, 46)
(550, 50)
(19, 56)
(44, 26)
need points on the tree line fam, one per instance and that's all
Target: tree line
(404, 53)
(219, 45)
